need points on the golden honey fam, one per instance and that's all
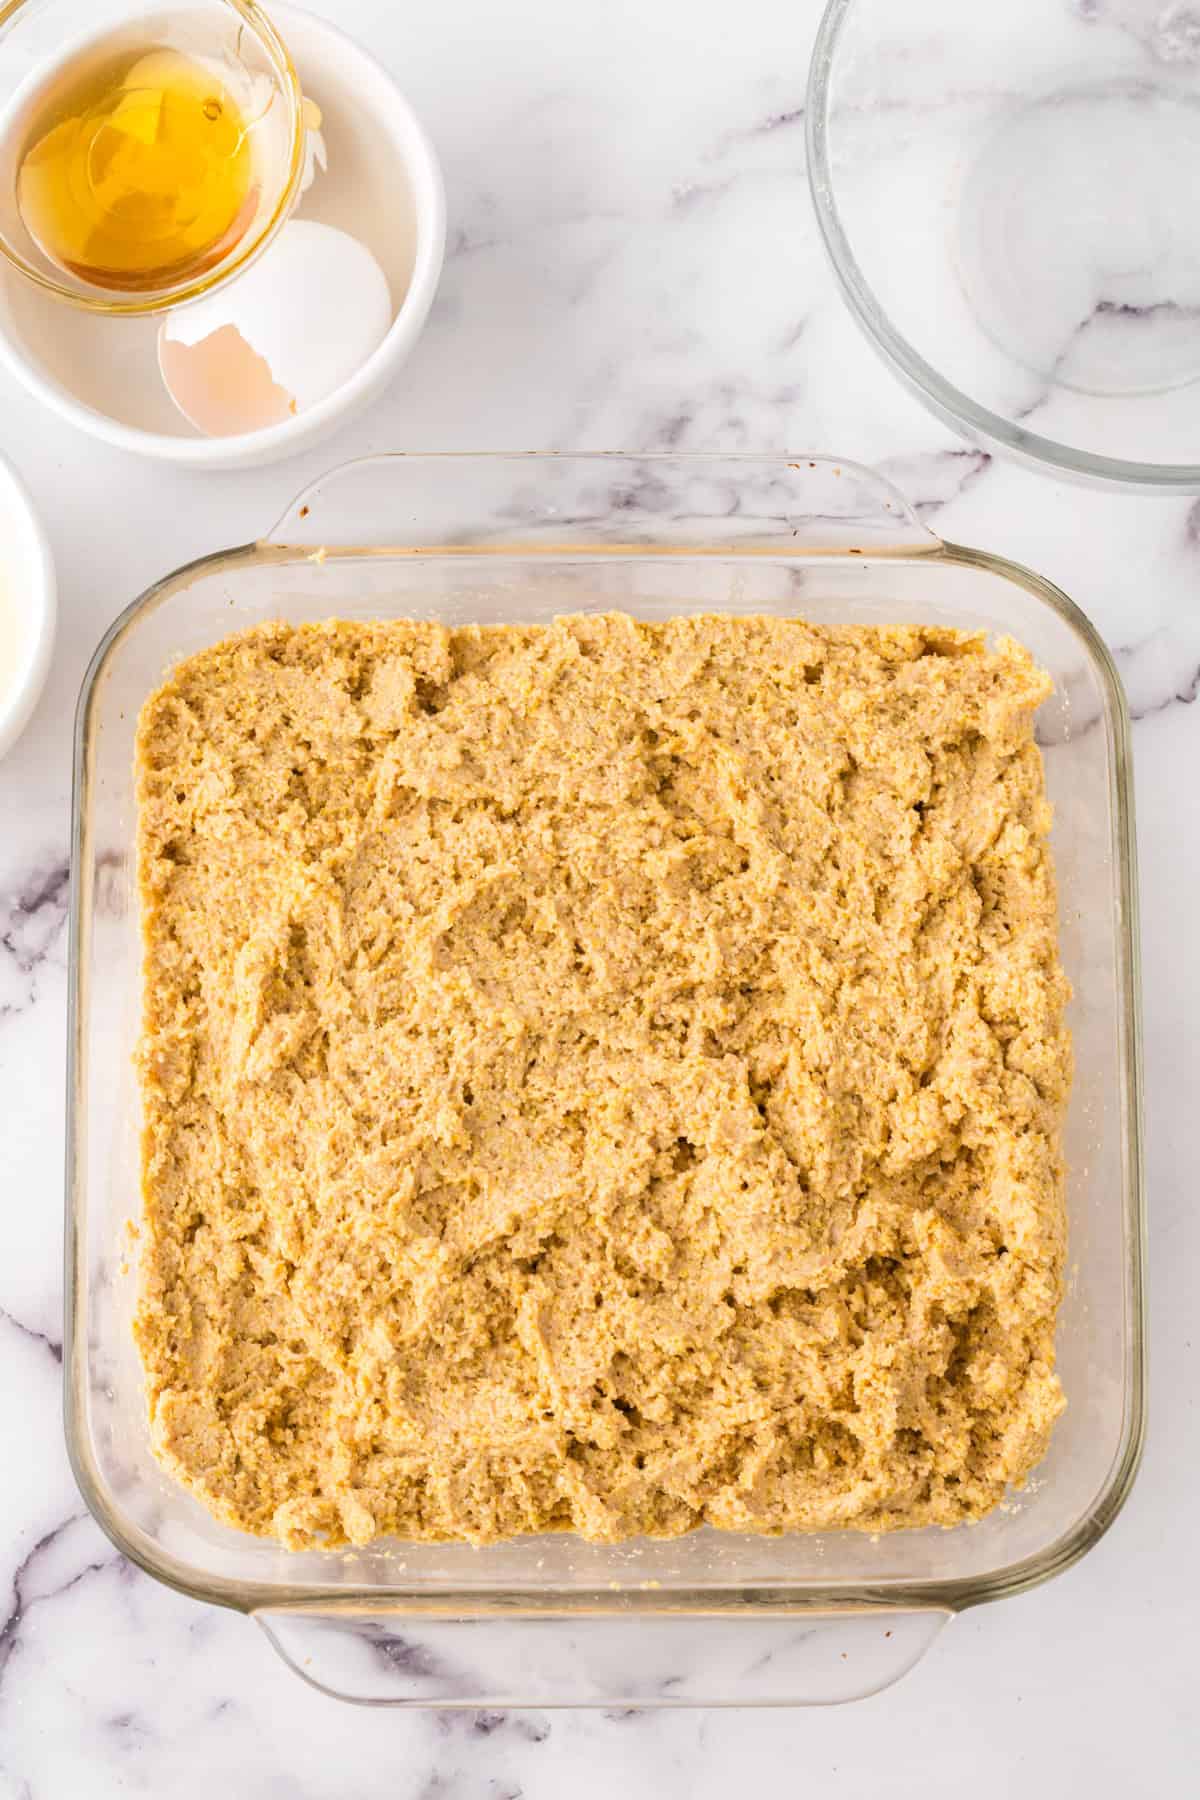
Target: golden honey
(138, 170)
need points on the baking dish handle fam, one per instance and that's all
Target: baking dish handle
(791, 1658)
(794, 505)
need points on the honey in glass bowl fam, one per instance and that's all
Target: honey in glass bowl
(148, 152)
(137, 170)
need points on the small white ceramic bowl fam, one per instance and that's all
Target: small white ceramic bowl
(383, 185)
(28, 606)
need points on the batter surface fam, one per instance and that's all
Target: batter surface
(601, 1077)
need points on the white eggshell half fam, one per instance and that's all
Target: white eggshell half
(314, 307)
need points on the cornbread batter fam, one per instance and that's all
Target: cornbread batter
(601, 1077)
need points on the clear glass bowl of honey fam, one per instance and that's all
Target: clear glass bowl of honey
(145, 156)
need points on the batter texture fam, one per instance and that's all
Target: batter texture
(601, 1077)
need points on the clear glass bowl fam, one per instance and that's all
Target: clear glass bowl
(1008, 196)
(36, 36)
(714, 1617)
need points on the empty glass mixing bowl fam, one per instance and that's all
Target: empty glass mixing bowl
(1009, 195)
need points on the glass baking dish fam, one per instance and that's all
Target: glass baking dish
(712, 1618)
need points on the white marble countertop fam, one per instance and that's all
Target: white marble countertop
(632, 265)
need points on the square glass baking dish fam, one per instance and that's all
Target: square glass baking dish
(713, 1618)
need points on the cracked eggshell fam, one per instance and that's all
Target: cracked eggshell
(290, 331)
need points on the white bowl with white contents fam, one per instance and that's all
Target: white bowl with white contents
(382, 185)
(28, 606)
